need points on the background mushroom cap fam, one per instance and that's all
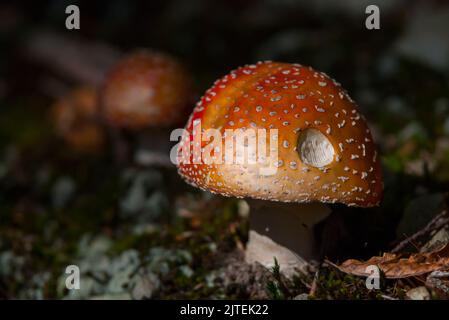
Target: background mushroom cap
(75, 118)
(296, 100)
(146, 89)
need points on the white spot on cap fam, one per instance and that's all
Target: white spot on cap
(315, 149)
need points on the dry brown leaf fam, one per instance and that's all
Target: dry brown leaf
(396, 266)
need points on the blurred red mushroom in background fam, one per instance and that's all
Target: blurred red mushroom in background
(75, 118)
(324, 154)
(150, 92)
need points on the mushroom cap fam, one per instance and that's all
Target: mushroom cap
(146, 89)
(325, 149)
(75, 118)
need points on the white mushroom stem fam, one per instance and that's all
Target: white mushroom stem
(284, 231)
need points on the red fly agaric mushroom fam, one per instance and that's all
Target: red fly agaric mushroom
(146, 89)
(76, 122)
(324, 154)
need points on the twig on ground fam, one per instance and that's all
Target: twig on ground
(437, 222)
(387, 297)
(314, 285)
